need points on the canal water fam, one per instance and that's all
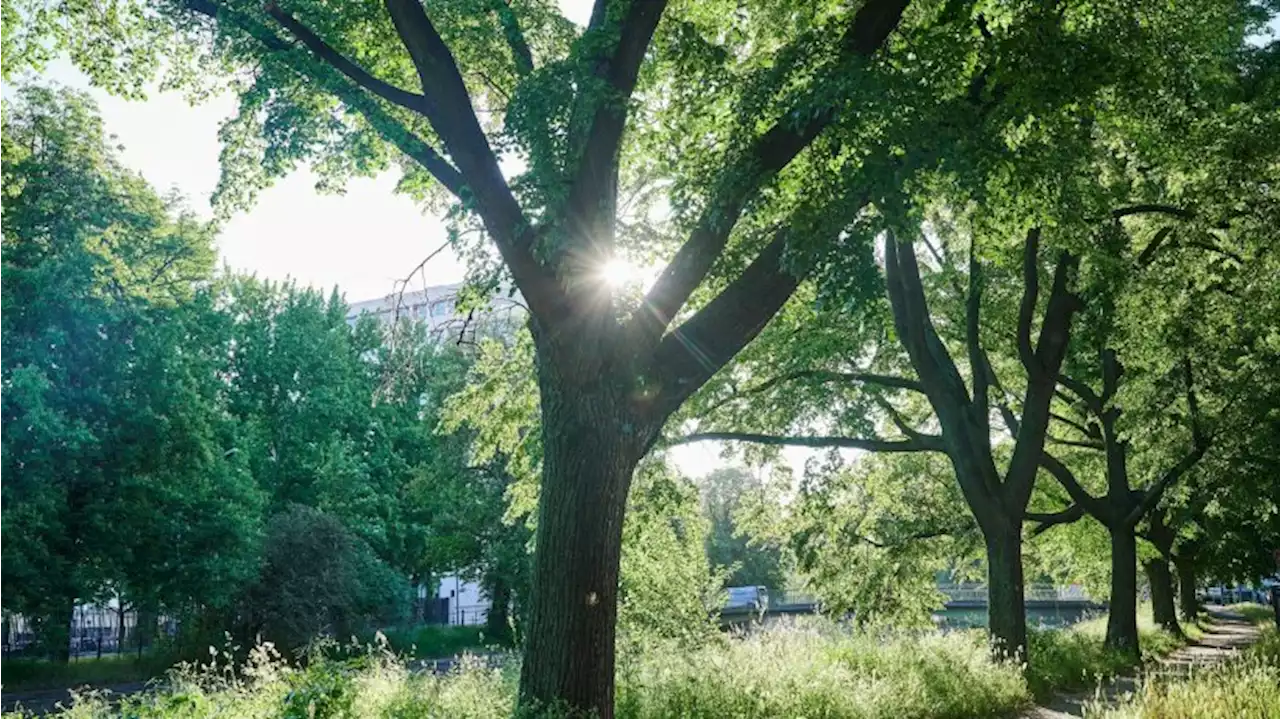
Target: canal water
(1049, 617)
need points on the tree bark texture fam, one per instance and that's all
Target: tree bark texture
(589, 458)
(1162, 594)
(1006, 603)
(1122, 619)
(1187, 589)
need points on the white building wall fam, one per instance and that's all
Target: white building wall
(437, 306)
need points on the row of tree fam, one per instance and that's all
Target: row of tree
(199, 444)
(243, 457)
(951, 195)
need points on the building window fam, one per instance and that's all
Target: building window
(440, 309)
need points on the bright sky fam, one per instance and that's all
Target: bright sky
(362, 241)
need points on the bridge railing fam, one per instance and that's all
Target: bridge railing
(1033, 592)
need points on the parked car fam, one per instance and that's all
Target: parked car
(751, 599)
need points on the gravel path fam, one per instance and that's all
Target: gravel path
(1228, 634)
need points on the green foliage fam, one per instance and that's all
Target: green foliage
(120, 470)
(730, 497)
(437, 641)
(317, 579)
(872, 539)
(668, 591)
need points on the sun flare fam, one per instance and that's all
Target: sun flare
(617, 272)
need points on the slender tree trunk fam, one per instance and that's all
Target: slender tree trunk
(498, 623)
(1162, 602)
(1006, 603)
(57, 631)
(1122, 621)
(1187, 589)
(589, 457)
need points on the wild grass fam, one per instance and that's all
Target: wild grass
(803, 669)
(1075, 657)
(1256, 613)
(1247, 687)
(814, 670)
(436, 642)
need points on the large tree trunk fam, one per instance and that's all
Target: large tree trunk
(589, 457)
(1162, 603)
(1187, 589)
(1006, 604)
(1122, 621)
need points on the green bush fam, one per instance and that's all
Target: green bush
(318, 579)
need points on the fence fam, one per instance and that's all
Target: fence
(1032, 592)
(95, 630)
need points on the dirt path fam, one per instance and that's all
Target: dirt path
(1228, 634)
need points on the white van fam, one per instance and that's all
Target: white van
(752, 599)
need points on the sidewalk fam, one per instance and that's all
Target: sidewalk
(1228, 634)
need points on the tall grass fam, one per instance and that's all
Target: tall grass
(1075, 658)
(1248, 687)
(809, 668)
(813, 670)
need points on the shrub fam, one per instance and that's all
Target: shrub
(317, 579)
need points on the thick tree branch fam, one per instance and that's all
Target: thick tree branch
(767, 155)
(1077, 492)
(1084, 392)
(698, 348)
(979, 366)
(925, 443)
(1151, 497)
(510, 24)
(1045, 522)
(593, 194)
(1027, 308)
(1051, 348)
(1149, 252)
(357, 74)
(449, 108)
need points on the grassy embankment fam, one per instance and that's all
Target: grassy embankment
(812, 669)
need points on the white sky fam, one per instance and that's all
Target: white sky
(361, 242)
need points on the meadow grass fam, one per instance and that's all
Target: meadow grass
(803, 670)
(1075, 657)
(1246, 687)
(812, 668)
(1254, 612)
